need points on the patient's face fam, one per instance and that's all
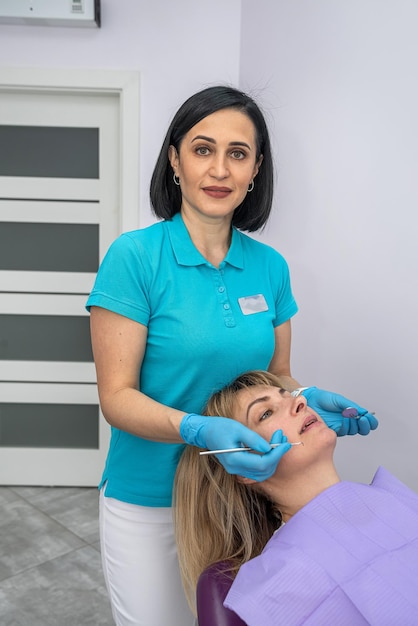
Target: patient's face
(267, 409)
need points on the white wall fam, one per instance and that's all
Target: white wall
(339, 83)
(178, 48)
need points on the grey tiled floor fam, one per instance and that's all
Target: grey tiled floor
(50, 569)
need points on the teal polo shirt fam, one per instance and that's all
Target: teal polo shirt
(205, 326)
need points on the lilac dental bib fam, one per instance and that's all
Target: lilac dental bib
(348, 558)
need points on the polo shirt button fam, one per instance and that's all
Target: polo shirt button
(226, 306)
(221, 289)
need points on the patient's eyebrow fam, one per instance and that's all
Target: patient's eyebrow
(262, 399)
(256, 401)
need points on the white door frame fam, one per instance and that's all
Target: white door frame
(124, 84)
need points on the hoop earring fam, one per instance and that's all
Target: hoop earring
(176, 180)
(250, 187)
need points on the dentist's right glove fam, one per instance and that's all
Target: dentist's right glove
(217, 433)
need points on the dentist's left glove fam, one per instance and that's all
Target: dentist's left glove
(217, 433)
(339, 413)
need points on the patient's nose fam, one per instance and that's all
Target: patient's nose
(299, 403)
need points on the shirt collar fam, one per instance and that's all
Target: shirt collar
(187, 254)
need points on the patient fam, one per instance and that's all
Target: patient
(309, 548)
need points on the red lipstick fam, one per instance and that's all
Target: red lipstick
(217, 192)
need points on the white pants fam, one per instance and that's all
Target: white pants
(140, 565)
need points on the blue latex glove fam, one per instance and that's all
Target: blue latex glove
(217, 433)
(339, 413)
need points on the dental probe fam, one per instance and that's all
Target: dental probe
(273, 445)
(348, 412)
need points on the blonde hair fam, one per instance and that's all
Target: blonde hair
(217, 517)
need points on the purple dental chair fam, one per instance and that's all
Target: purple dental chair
(212, 588)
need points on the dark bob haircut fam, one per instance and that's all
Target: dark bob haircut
(253, 213)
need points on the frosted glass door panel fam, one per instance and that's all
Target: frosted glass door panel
(49, 426)
(49, 247)
(49, 152)
(45, 338)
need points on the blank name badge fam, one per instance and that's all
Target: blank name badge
(253, 304)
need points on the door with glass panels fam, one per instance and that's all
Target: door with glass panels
(59, 190)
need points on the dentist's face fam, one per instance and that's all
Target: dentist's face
(216, 163)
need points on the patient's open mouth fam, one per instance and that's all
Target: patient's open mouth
(307, 423)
